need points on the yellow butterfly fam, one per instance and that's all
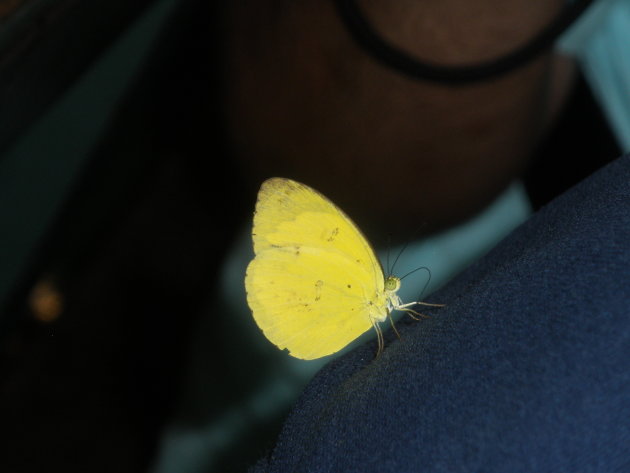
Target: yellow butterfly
(315, 283)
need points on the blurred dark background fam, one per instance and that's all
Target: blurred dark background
(117, 199)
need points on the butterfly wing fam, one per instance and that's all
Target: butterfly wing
(315, 284)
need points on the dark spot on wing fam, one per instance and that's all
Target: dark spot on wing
(318, 289)
(333, 234)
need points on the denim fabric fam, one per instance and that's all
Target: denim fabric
(527, 368)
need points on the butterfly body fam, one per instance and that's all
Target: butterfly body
(315, 284)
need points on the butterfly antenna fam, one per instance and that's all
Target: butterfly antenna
(389, 245)
(424, 288)
(398, 256)
(426, 284)
(417, 269)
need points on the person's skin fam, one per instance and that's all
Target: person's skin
(304, 101)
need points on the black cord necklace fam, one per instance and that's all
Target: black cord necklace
(394, 57)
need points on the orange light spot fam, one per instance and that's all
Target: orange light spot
(45, 301)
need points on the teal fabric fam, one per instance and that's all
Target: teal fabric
(600, 41)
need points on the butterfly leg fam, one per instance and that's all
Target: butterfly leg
(379, 337)
(429, 304)
(391, 321)
(410, 304)
(414, 314)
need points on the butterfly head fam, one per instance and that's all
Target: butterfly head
(392, 284)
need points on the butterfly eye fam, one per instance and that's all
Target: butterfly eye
(392, 283)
